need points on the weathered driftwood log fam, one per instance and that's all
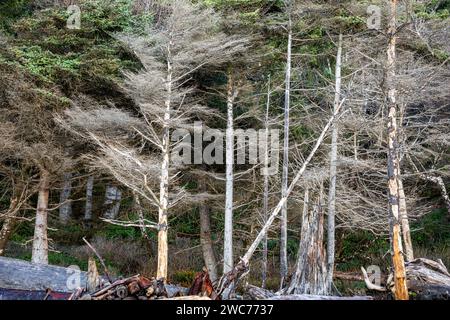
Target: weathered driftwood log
(189, 298)
(24, 275)
(316, 297)
(258, 293)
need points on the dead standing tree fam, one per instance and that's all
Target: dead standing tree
(180, 43)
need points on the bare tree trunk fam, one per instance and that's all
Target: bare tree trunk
(113, 196)
(401, 290)
(163, 246)
(333, 160)
(8, 226)
(206, 241)
(266, 189)
(228, 233)
(284, 178)
(65, 209)
(5, 233)
(89, 191)
(406, 232)
(40, 240)
(310, 274)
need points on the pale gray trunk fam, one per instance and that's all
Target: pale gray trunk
(406, 232)
(266, 190)
(284, 178)
(65, 206)
(310, 274)
(112, 202)
(206, 241)
(163, 245)
(8, 225)
(5, 233)
(333, 160)
(40, 241)
(229, 155)
(89, 192)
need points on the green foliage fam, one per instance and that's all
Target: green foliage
(183, 277)
(11, 10)
(45, 64)
(433, 229)
(112, 232)
(113, 15)
(435, 9)
(361, 248)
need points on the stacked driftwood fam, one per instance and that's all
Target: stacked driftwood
(426, 279)
(141, 288)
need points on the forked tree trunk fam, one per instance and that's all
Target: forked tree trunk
(229, 155)
(206, 241)
(401, 290)
(40, 241)
(65, 209)
(284, 178)
(333, 171)
(89, 192)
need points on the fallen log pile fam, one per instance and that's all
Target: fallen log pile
(426, 279)
(141, 288)
(258, 293)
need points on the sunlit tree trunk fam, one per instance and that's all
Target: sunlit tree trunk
(401, 290)
(284, 178)
(40, 240)
(229, 156)
(163, 246)
(333, 160)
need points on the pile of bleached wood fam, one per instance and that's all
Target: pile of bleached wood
(427, 279)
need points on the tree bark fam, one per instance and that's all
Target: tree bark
(333, 170)
(229, 155)
(205, 239)
(89, 191)
(40, 240)
(406, 232)
(163, 246)
(310, 274)
(65, 208)
(401, 290)
(8, 224)
(112, 202)
(266, 189)
(285, 173)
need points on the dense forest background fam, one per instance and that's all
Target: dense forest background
(47, 68)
